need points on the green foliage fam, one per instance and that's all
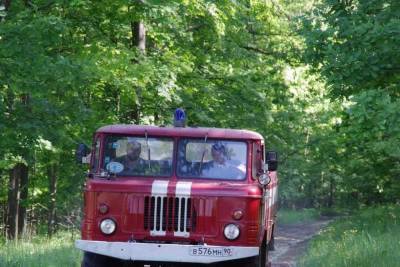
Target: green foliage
(355, 45)
(287, 216)
(68, 67)
(41, 251)
(371, 135)
(368, 238)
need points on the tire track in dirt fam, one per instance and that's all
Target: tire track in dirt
(292, 240)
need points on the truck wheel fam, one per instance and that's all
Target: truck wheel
(271, 243)
(237, 263)
(262, 259)
(97, 260)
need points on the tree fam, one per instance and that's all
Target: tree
(354, 46)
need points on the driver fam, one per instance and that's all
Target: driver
(133, 163)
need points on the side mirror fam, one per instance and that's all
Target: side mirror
(81, 154)
(272, 160)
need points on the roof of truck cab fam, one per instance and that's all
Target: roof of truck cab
(200, 132)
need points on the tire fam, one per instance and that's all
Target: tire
(97, 260)
(262, 259)
(236, 263)
(271, 243)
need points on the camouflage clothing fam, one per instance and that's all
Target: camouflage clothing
(137, 167)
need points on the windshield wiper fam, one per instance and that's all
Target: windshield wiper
(148, 149)
(204, 153)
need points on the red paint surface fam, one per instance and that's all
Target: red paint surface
(214, 200)
(181, 132)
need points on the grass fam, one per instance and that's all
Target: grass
(287, 216)
(371, 237)
(40, 251)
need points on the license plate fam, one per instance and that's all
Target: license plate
(212, 252)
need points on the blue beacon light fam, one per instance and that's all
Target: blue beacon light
(179, 118)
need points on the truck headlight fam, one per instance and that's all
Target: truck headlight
(264, 179)
(107, 226)
(231, 231)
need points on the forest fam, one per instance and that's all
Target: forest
(319, 79)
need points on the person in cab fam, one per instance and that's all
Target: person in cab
(221, 167)
(132, 162)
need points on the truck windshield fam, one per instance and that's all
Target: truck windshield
(212, 159)
(138, 156)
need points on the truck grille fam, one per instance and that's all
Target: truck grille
(164, 214)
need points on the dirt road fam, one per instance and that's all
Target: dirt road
(291, 241)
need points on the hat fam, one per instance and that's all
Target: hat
(132, 142)
(218, 146)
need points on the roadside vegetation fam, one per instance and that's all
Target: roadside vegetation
(288, 216)
(40, 251)
(370, 237)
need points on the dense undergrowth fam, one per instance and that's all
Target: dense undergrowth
(58, 251)
(288, 216)
(368, 238)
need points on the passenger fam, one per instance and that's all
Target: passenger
(221, 167)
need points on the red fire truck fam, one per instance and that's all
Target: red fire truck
(170, 195)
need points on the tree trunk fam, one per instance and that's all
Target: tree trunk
(7, 4)
(138, 35)
(138, 40)
(331, 192)
(156, 117)
(13, 202)
(23, 185)
(135, 114)
(157, 109)
(24, 175)
(52, 173)
(4, 219)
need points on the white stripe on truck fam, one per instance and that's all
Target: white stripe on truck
(159, 191)
(183, 191)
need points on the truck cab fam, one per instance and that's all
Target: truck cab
(178, 195)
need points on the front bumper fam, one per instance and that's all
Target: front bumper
(166, 252)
